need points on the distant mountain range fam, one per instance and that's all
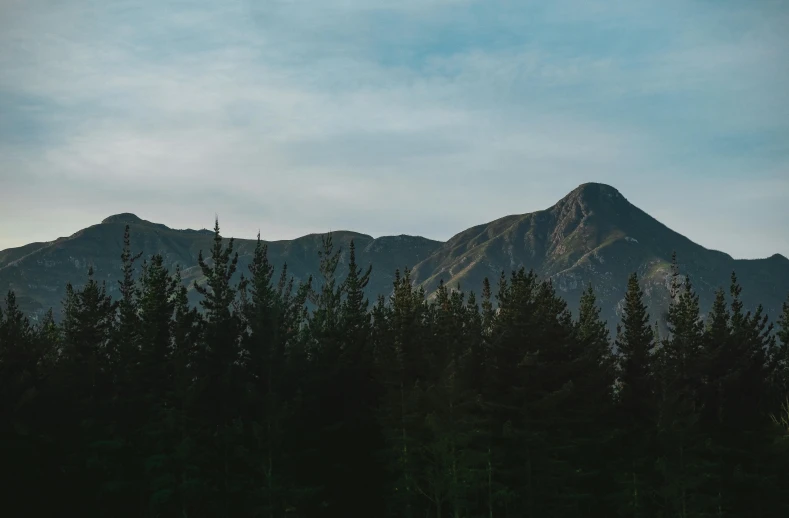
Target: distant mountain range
(591, 235)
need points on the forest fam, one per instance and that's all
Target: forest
(279, 398)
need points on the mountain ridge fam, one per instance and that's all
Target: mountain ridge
(592, 234)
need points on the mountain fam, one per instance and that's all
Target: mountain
(39, 272)
(595, 235)
(591, 235)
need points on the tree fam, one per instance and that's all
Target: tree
(354, 437)
(449, 462)
(273, 317)
(85, 402)
(24, 443)
(124, 358)
(593, 376)
(220, 373)
(745, 428)
(127, 337)
(184, 415)
(781, 357)
(681, 462)
(155, 385)
(634, 343)
(716, 347)
(595, 350)
(401, 328)
(636, 400)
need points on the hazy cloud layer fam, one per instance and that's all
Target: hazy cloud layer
(383, 116)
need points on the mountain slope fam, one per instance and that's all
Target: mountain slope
(39, 273)
(595, 235)
(591, 235)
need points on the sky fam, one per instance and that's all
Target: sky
(390, 117)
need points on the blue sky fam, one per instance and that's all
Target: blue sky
(393, 116)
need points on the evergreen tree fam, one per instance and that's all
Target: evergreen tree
(124, 358)
(593, 421)
(356, 434)
(18, 373)
(636, 402)
(155, 386)
(781, 356)
(220, 375)
(184, 417)
(681, 462)
(323, 396)
(716, 345)
(85, 401)
(746, 429)
(401, 328)
(272, 315)
(716, 377)
(265, 349)
(634, 343)
(531, 400)
(482, 366)
(128, 340)
(449, 464)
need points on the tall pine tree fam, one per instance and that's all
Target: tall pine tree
(636, 403)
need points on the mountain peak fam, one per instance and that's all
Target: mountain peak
(593, 196)
(594, 188)
(126, 217)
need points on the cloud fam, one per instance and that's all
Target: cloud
(384, 117)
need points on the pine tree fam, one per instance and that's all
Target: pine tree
(681, 463)
(593, 376)
(450, 467)
(124, 355)
(512, 353)
(401, 329)
(747, 428)
(323, 397)
(219, 372)
(184, 415)
(155, 385)
(636, 401)
(24, 428)
(715, 379)
(781, 356)
(85, 406)
(595, 349)
(354, 438)
(127, 341)
(634, 343)
(325, 319)
(555, 408)
(263, 315)
(716, 343)
(530, 394)
(272, 315)
(481, 378)
(18, 366)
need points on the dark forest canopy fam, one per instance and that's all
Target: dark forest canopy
(500, 403)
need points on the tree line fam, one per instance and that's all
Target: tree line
(502, 404)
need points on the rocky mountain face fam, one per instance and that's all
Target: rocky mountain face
(595, 235)
(592, 235)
